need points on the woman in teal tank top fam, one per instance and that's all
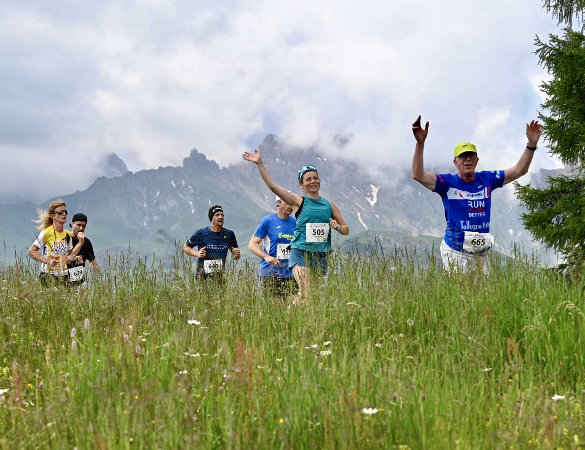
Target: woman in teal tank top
(315, 218)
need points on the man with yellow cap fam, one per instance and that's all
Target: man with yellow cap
(467, 197)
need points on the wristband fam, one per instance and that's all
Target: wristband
(532, 149)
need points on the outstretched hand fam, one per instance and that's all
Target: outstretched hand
(420, 133)
(533, 132)
(254, 157)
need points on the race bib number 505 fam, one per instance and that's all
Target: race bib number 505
(317, 232)
(476, 242)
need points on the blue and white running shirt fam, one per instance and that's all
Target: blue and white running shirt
(467, 205)
(274, 231)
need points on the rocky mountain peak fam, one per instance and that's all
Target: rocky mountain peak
(198, 160)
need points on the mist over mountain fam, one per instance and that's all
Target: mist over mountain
(153, 211)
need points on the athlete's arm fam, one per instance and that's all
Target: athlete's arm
(71, 255)
(337, 221)
(254, 247)
(427, 179)
(293, 200)
(33, 252)
(192, 252)
(533, 132)
(235, 252)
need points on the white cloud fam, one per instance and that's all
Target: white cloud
(156, 79)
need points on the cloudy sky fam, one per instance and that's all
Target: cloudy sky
(152, 79)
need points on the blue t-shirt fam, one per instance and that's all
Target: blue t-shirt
(216, 244)
(467, 205)
(275, 231)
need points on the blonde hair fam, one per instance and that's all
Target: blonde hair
(45, 220)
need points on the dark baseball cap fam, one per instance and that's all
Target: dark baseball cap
(79, 217)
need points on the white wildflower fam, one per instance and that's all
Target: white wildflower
(370, 411)
(556, 397)
(327, 343)
(325, 352)
(193, 322)
(487, 369)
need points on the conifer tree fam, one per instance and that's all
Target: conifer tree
(556, 213)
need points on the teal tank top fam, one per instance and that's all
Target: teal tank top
(314, 219)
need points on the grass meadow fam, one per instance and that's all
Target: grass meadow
(388, 354)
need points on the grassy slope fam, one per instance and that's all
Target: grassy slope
(464, 361)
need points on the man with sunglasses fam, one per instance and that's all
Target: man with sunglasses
(467, 198)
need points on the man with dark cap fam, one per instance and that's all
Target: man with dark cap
(213, 243)
(77, 267)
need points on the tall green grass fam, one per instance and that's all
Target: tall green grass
(159, 361)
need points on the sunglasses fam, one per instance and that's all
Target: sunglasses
(63, 212)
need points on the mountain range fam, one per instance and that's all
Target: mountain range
(154, 211)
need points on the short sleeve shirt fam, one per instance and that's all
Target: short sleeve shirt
(467, 205)
(216, 244)
(86, 252)
(275, 233)
(53, 244)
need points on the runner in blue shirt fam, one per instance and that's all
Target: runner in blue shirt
(213, 243)
(467, 197)
(275, 231)
(315, 217)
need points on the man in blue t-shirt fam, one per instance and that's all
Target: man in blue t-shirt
(213, 243)
(467, 197)
(275, 231)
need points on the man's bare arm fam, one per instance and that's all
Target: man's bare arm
(427, 179)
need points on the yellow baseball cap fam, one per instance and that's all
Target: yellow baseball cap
(463, 148)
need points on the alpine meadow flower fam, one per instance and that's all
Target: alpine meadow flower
(193, 322)
(74, 345)
(556, 397)
(73, 332)
(370, 411)
(86, 324)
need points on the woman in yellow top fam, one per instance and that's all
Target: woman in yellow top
(55, 243)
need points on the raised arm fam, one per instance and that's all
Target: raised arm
(427, 179)
(293, 200)
(533, 132)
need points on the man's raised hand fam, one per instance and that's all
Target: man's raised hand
(533, 132)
